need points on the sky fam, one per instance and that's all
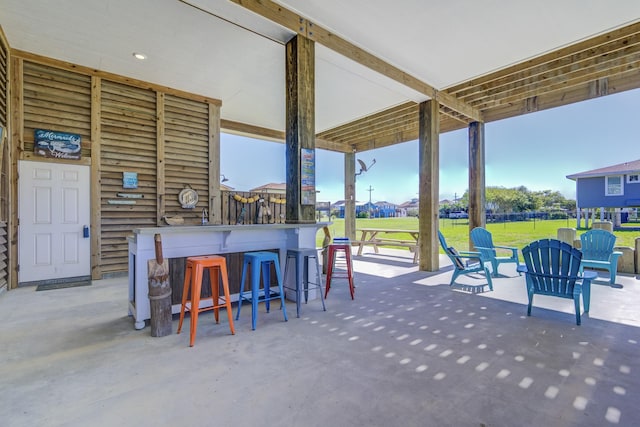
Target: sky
(536, 150)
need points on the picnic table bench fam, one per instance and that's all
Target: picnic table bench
(384, 237)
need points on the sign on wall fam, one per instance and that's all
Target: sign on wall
(58, 145)
(129, 179)
(308, 176)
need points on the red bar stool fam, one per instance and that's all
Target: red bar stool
(217, 266)
(339, 245)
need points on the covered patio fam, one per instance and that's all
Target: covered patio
(342, 76)
(408, 351)
(150, 85)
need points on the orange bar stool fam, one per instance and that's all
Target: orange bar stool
(345, 268)
(260, 262)
(302, 258)
(192, 288)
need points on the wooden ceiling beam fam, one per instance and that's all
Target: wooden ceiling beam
(333, 146)
(512, 73)
(243, 129)
(381, 115)
(306, 28)
(368, 127)
(567, 80)
(371, 126)
(571, 69)
(569, 95)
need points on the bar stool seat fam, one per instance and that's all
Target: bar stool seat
(302, 258)
(339, 245)
(260, 262)
(192, 289)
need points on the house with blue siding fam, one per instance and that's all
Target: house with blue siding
(612, 188)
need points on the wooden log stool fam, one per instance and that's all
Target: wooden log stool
(191, 291)
(340, 245)
(302, 258)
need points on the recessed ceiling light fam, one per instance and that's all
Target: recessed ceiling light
(140, 56)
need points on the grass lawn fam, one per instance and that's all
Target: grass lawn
(456, 231)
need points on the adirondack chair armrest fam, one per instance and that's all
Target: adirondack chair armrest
(469, 254)
(614, 256)
(589, 275)
(522, 269)
(509, 248)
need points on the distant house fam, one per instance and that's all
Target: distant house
(380, 209)
(340, 204)
(278, 188)
(615, 187)
(409, 208)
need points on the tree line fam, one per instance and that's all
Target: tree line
(517, 199)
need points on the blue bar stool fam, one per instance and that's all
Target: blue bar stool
(302, 258)
(260, 261)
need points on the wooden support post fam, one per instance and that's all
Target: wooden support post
(96, 172)
(350, 195)
(300, 130)
(429, 186)
(477, 209)
(215, 203)
(15, 139)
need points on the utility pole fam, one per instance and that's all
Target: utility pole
(370, 189)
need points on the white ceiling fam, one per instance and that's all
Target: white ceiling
(205, 47)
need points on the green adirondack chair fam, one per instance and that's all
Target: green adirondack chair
(464, 262)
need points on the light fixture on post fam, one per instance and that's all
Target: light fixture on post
(364, 167)
(223, 178)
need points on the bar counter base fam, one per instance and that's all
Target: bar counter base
(185, 241)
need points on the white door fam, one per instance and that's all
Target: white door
(53, 209)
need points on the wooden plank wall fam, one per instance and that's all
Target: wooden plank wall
(4, 163)
(57, 100)
(161, 134)
(186, 154)
(4, 82)
(128, 144)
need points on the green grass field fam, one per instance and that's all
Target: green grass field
(517, 234)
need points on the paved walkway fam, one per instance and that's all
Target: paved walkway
(409, 351)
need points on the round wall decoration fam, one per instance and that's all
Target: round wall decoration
(188, 198)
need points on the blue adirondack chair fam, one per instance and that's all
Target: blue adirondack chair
(483, 243)
(464, 262)
(552, 267)
(597, 252)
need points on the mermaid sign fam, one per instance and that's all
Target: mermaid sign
(58, 145)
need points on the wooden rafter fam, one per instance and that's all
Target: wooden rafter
(311, 30)
(606, 64)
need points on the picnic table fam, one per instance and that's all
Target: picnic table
(384, 236)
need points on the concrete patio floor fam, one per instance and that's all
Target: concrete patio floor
(409, 350)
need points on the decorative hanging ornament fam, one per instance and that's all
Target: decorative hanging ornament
(239, 198)
(188, 197)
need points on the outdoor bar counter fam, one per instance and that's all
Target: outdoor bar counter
(185, 241)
